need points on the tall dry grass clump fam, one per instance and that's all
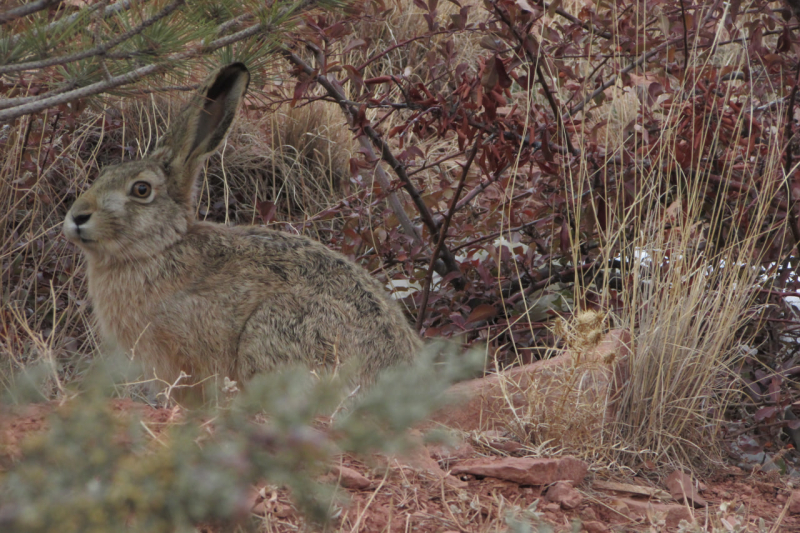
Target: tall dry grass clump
(689, 292)
(683, 264)
(311, 149)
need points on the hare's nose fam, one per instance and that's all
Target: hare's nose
(81, 219)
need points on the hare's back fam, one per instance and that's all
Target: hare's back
(277, 261)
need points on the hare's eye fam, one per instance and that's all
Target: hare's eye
(141, 189)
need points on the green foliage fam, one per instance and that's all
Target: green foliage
(94, 471)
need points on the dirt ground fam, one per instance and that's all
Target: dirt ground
(415, 492)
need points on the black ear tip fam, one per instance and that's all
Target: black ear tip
(226, 78)
(236, 68)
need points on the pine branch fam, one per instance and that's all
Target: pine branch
(22, 100)
(18, 107)
(26, 9)
(122, 5)
(97, 50)
(83, 92)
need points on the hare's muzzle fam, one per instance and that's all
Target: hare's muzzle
(76, 226)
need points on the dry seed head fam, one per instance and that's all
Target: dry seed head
(582, 333)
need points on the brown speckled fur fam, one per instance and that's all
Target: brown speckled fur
(212, 300)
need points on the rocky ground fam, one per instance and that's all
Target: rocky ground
(472, 486)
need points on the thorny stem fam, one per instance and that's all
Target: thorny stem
(426, 291)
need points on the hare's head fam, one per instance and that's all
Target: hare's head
(139, 208)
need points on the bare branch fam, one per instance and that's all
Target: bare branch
(385, 151)
(423, 306)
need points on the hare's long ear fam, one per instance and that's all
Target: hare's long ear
(200, 128)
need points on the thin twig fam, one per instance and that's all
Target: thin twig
(426, 290)
(613, 79)
(435, 163)
(642, 59)
(499, 233)
(583, 24)
(563, 276)
(398, 45)
(685, 41)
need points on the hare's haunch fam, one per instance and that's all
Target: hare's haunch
(211, 300)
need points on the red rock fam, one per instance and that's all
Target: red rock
(447, 454)
(595, 527)
(794, 502)
(525, 470)
(588, 515)
(551, 509)
(682, 488)
(418, 458)
(349, 478)
(674, 513)
(563, 493)
(481, 404)
(508, 446)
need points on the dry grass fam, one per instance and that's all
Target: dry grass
(43, 315)
(690, 295)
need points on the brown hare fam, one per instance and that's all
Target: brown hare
(212, 300)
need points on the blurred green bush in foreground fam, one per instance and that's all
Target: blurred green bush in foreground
(94, 471)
